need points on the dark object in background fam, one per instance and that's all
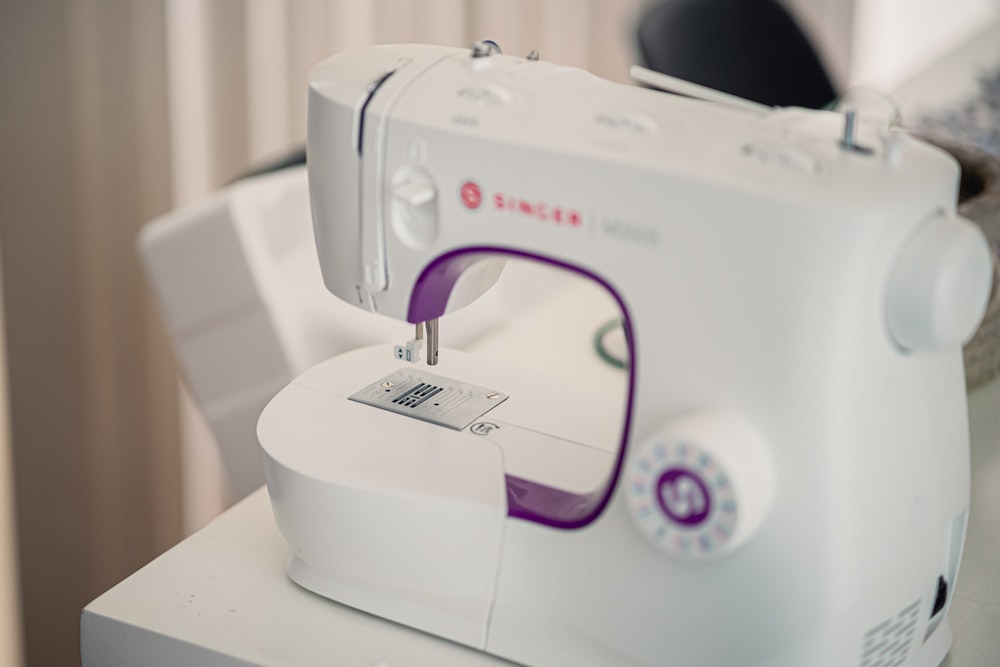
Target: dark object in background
(975, 120)
(750, 48)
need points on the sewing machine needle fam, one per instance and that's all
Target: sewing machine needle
(432, 341)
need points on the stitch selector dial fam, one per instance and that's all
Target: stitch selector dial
(700, 487)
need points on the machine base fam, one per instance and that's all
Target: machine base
(936, 648)
(390, 604)
(408, 521)
(428, 618)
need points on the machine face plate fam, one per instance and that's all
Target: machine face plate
(430, 398)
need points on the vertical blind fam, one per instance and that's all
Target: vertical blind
(10, 615)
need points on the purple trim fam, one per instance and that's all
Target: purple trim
(673, 479)
(529, 500)
(433, 287)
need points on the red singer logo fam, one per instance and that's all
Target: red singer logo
(537, 209)
(471, 195)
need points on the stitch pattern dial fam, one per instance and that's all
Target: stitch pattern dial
(681, 499)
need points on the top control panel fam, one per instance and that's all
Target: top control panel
(456, 148)
(493, 96)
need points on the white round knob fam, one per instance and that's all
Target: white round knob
(940, 286)
(700, 487)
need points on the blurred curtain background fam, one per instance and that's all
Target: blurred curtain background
(92, 395)
(10, 617)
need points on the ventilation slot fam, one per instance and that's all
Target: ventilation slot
(888, 643)
(417, 395)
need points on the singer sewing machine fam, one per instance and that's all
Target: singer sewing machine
(787, 479)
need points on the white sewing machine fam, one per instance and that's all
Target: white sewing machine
(784, 482)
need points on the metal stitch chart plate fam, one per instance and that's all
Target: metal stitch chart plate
(430, 398)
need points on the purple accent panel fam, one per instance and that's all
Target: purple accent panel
(528, 500)
(433, 287)
(558, 504)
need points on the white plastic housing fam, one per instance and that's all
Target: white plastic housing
(752, 256)
(940, 286)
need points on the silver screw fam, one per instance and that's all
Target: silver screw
(493, 397)
(484, 48)
(850, 139)
(387, 385)
(532, 55)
